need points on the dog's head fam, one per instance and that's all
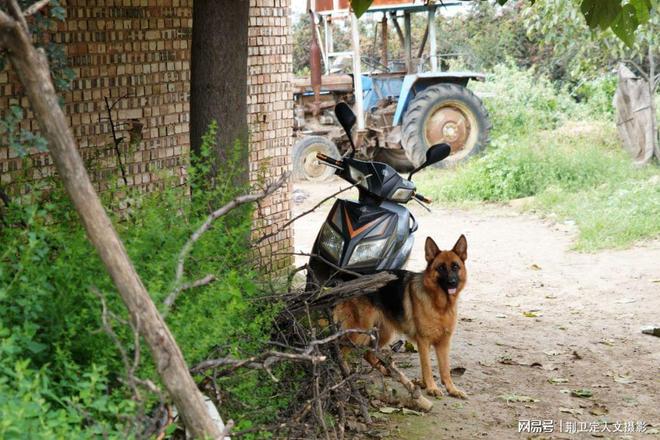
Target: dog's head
(446, 269)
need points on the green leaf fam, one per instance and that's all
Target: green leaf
(16, 112)
(35, 347)
(623, 20)
(609, 11)
(643, 8)
(508, 398)
(583, 393)
(57, 11)
(360, 6)
(600, 13)
(625, 25)
(588, 8)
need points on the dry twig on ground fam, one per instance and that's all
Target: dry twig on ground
(309, 352)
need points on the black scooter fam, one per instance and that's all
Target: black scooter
(376, 232)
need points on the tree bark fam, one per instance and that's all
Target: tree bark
(218, 89)
(635, 115)
(33, 71)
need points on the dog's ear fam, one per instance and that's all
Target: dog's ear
(431, 249)
(460, 248)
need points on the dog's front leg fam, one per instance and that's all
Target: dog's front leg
(423, 346)
(442, 351)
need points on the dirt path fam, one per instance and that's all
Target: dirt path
(587, 335)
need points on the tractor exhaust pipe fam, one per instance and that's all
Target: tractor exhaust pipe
(315, 65)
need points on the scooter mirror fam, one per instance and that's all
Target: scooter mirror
(437, 153)
(345, 116)
(347, 120)
(434, 154)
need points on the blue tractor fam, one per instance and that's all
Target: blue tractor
(402, 107)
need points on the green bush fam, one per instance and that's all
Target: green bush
(30, 407)
(597, 96)
(546, 144)
(560, 157)
(520, 102)
(582, 177)
(53, 353)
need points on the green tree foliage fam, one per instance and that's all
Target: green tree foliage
(302, 40)
(485, 36)
(41, 24)
(622, 16)
(583, 51)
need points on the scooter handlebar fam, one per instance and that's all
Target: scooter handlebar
(421, 198)
(327, 159)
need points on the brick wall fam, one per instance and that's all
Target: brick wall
(270, 116)
(138, 56)
(137, 53)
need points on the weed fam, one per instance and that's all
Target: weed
(60, 376)
(543, 146)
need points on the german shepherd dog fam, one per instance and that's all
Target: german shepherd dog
(421, 306)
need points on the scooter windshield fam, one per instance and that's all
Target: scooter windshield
(374, 177)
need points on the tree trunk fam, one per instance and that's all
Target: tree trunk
(218, 88)
(33, 71)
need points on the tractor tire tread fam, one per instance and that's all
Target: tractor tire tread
(411, 140)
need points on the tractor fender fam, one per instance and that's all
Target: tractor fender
(416, 82)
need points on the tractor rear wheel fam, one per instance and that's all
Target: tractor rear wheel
(305, 164)
(396, 158)
(447, 113)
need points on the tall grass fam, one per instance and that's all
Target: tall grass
(60, 374)
(564, 153)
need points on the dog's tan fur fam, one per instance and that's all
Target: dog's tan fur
(429, 314)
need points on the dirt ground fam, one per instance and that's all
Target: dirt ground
(537, 321)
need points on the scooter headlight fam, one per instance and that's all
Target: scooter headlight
(367, 251)
(402, 195)
(331, 241)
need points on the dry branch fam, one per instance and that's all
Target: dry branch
(323, 259)
(303, 332)
(418, 401)
(302, 214)
(116, 141)
(131, 363)
(329, 297)
(265, 360)
(35, 7)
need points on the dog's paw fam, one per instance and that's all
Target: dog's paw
(455, 392)
(434, 392)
